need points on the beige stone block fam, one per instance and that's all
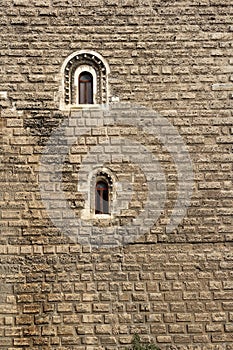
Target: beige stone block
(164, 339)
(103, 329)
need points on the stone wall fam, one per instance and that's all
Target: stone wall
(176, 288)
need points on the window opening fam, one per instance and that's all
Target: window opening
(85, 88)
(102, 198)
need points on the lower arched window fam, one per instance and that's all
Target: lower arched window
(102, 197)
(85, 88)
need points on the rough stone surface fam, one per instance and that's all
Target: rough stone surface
(174, 57)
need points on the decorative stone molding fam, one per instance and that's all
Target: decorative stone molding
(76, 63)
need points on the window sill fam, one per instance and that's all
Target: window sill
(102, 216)
(82, 107)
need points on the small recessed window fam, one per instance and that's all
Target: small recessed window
(102, 198)
(85, 88)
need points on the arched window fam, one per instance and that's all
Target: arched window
(101, 197)
(84, 80)
(85, 88)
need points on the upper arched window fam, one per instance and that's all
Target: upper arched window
(85, 86)
(84, 80)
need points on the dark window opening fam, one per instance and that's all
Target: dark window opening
(102, 198)
(86, 88)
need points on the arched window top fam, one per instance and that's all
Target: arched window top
(92, 63)
(102, 185)
(85, 77)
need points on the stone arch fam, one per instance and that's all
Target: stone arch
(80, 61)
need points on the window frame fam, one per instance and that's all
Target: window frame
(88, 188)
(72, 66)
